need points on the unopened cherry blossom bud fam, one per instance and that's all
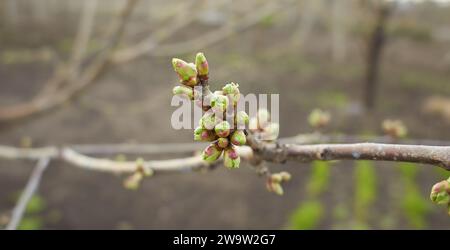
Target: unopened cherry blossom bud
(201, 64)
(238, 138)
(270, 132)
(132, 182)
(274, 187)
(232, 91)
(187, 72)
(285, 176)
(394, 128)
(202, 134)
(208, 121)
(222, 129)
(219, 103)
(184, 92)
(277, 178)
(211, 153)
(318, 118)
(223, 142)
(440, 192)
(231, 158)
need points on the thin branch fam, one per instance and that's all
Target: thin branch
(42, 103)
(30, 189)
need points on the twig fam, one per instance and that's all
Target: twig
(42, 103)
(30, 189)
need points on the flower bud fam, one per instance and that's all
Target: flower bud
(208, 121)
(222, 129)
(285, 176)
(222, 142)
(211, 153)
(201, 64)
(440, 192)
(186, 71)
(219, 103)
(318, 118)
(132, 182)
(277, 178)
(394, 128)
(183, 92)
(232, 91)
(241, 119)
(274, 187)
(201, 134)
(231, 158)
(238, 138)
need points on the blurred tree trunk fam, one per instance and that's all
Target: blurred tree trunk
(376, 42)
(340, 13)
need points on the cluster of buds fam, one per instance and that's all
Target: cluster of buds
(262, 127)
(190, 75)
(319, 118)
(224, 134)
(133, 181)
(440, 193)
(394, 128)
(274, 181)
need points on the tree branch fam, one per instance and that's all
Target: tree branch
(434, 155)
(30, 189)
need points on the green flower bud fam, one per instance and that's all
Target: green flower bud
(440, 192)
(241, 119)
(222, 129)
(232, 91)
(211, 153)
(201, 134)
(187, 72)
(208, 121)
(274, 187)
(394, 128)
(219, 103)
(238, 138)
(231, 158)
(201, 64)
(277, 178)
(318, 118)
(184, 92)
(285, 176)
(222, 142)
(132, 182)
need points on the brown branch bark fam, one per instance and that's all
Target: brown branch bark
(434, 155)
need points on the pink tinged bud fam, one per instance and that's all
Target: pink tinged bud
(219, 103)
(184, 92)
(201, 134)
(222, 142)
(238, 138)
(222, 129)
(231, 158)
(318, 118)
(185, 71)
(211, 153)
(201, 64)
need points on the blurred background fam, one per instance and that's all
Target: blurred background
(363, 61)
